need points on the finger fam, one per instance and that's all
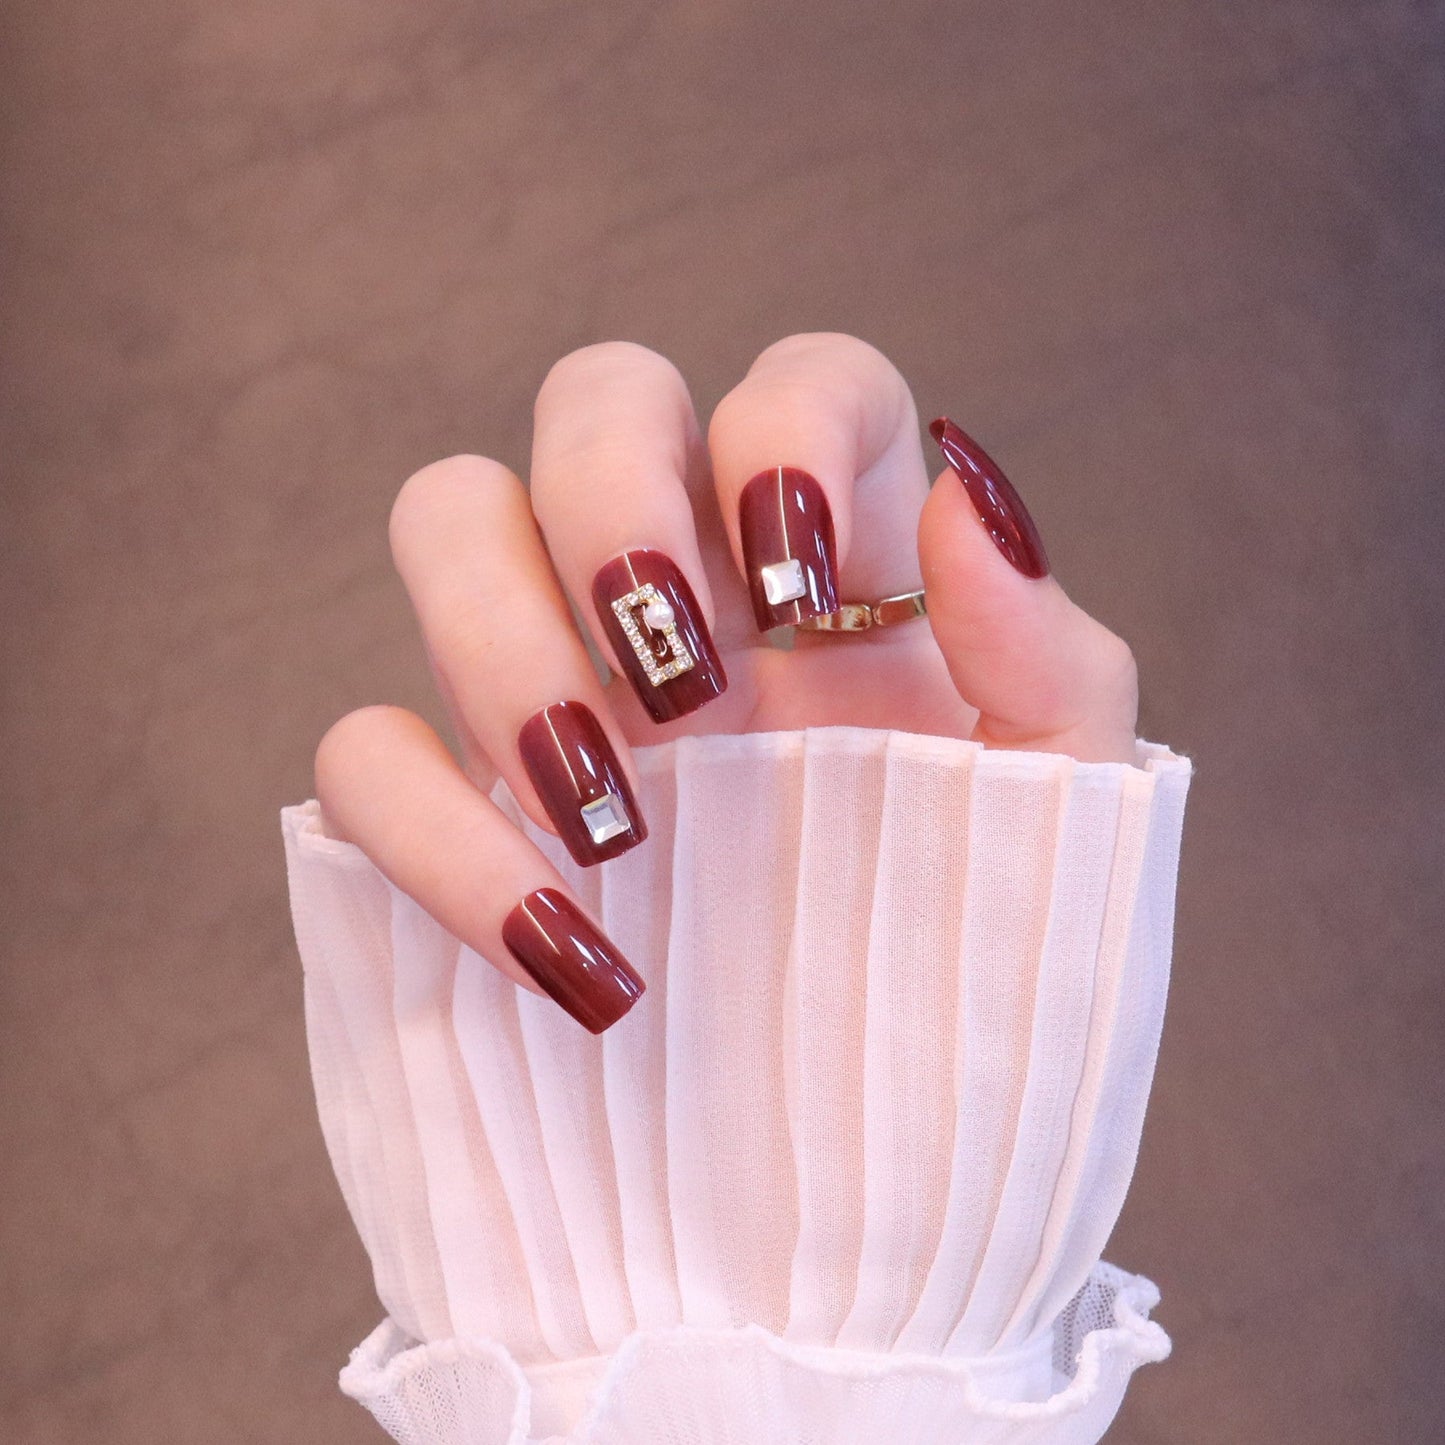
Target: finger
(387, 783)
(475, 763)
(820, 476)
(1042, 673)
(615, 445)
(498, 630)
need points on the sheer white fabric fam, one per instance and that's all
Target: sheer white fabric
(847, 1169)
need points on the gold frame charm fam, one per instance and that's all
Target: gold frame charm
(647, 598)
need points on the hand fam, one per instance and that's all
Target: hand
(625, 494)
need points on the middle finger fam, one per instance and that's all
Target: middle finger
(615, 449)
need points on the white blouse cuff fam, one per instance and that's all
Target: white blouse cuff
(847, 1169)
(747, 1386)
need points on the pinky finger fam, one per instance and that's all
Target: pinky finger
(387, 784)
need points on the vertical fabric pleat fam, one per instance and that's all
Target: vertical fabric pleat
(566, 1075)
(636, 912)
(1058, 1260)
(1053, 1063)
(478, 1251)
(489, 1035)
(1135, 981)
(731, 1177)
(825, 1013)
(884, 1091)
(577, 1147)
(1013, 820)
(912, 989)
(352, 1022)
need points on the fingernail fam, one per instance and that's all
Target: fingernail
(656, 628)
(581, 783)
(992, 494)
(571, 959)
(788, 549)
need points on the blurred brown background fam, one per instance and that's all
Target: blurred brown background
(1180, 266)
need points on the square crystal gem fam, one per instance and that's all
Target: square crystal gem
(605, 818)
(627, 610)
(783, 581)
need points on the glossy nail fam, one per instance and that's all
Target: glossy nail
(788, 548)
(571, 959)
(580, 781)
(656, 629)
(994, 499)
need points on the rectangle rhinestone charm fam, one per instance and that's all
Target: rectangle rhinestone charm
(627, 609)
(637, 596)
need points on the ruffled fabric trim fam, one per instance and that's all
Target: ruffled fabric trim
(687, 1385)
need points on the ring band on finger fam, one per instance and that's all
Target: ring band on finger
(853, 617)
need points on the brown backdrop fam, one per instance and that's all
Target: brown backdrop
(1181, 266)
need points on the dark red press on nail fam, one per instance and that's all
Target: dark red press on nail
(571, 959)
(994, 499)
(658, 635)
(788, 547)
(581, 782)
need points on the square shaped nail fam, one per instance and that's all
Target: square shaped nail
(580, 780)
(788, 547)
(571, 959)
(652, 619)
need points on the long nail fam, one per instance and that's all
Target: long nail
(581, 783)
(788, 548)
(571, 959)
(994, 499)
(656, 628)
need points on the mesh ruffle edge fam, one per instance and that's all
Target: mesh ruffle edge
(686, 1385)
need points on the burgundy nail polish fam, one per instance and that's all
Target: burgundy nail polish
(581, 783)
(656, 629)
(571, 959)
(788, 548)
(993, 497)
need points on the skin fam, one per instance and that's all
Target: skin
(620, 462)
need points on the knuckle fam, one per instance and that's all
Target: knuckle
(841, 351)
(349, 740)
(1119, 659)
(727, 409)
(435, 488)
(588, 364)
(1118, 670)
(829, 369)
(763, 401)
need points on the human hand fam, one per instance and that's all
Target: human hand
(814, 458)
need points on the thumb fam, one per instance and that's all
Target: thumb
(1043, 674)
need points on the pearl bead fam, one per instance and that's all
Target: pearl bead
(658, 614)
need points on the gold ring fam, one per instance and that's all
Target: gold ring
(860, 616)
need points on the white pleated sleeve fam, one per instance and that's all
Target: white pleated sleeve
(844, 1174)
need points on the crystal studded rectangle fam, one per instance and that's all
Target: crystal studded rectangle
(680, 659)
